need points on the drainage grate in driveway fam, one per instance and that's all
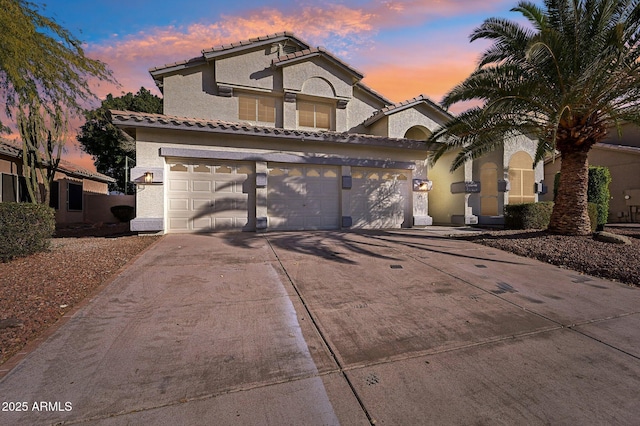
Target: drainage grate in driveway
(372, 379)
(396, 266)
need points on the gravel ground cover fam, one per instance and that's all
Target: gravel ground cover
(35, 291)
(583, 254)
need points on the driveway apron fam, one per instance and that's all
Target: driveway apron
(397, 327)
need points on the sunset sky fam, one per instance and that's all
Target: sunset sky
(404, 48)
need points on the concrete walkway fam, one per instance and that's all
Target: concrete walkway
(322, 328)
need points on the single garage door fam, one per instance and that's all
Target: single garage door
(303, 197)
(209, 196)
(379, 198)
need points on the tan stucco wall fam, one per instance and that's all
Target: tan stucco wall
(402, 121)
(186, 95)
(624, 167)
(251, 69)
(442, 203)
(98, 206)
(295, 76)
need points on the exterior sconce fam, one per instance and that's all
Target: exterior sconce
(627, 197)
(148, 177)
(422, 185)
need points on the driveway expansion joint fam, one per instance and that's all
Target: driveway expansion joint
(323, 338)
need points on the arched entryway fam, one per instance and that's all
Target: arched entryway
(489, 189)
(522, 179)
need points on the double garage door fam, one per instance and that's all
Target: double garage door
(308, 197)
(211, 196)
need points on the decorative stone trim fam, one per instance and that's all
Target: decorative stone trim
(290, 97)
(261, 180)
(283, 158)
(422, 221)
(225, 91)
(342, 103)
(147, 224)
(347, 182)
(469, 187)
(261, 223)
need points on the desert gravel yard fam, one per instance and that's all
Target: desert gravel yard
(583, 254)
(35, 291)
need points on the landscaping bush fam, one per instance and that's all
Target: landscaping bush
(597, 192)
(25, 228)
(123, 213)
(528, 215)
(538, 215)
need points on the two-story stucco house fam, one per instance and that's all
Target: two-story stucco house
(273, 134)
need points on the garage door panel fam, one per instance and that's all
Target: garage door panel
(379, 198)
(179, 204)
(201, 186)
(179, 185)
(303, 197)
(179, 223)
(209, 196)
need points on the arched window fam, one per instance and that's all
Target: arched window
(489, 189)
(522, 179)
(418, 133)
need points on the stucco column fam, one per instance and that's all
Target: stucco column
(420, 199)
(261, 195)
(345, 198)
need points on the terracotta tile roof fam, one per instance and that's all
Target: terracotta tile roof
(180, 64)
(402, 106)
(248, 42)
(315, 51)
(14, 149)
(137, 119)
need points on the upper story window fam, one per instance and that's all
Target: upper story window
(259, 109)
(316, 115)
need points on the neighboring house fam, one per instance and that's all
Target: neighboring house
(69, 191)
(271, 133)
(621, 155)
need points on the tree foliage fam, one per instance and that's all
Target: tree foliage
(45, 77)
(108, 145)
(565, 80)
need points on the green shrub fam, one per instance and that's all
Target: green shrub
(597, 191)
(123, 213)
(25, 228)
(528, 215)
(538, 215)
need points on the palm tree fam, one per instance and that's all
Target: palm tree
(564, 81)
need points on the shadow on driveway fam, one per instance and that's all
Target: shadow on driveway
(339, 246)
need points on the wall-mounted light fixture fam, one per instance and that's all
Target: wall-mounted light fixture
(148, 177)
(627, 197)
(422, 185)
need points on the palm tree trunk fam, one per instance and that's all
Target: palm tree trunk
(570, 214)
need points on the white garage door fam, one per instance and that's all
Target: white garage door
(209, 196)
(379, 198)
(303, 197)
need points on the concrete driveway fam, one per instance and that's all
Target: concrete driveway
(323, 328)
